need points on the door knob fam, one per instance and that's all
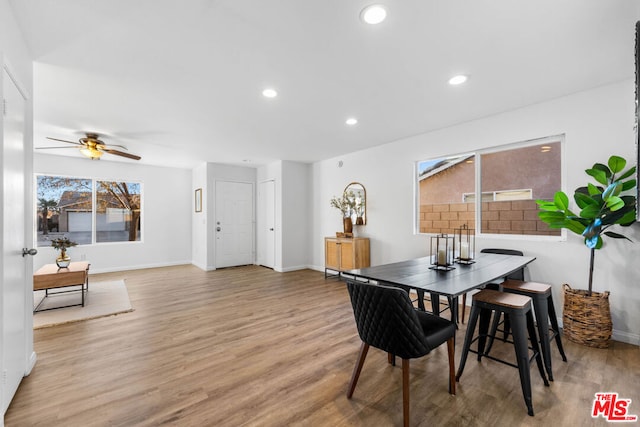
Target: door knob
(26, 252)
(271, 229)
(218, 228)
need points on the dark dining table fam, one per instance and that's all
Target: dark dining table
(416, 274)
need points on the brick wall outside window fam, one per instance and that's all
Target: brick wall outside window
(505, 217)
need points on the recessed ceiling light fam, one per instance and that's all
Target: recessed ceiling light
(269, 93)
(351, 121)
(373, 14)
(457, 80)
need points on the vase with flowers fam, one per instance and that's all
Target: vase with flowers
(62, 244)
(346, 206)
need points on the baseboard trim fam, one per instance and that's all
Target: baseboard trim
(138, 267)
(294, 268)
(626, 337)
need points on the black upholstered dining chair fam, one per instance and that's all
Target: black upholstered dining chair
(387, 320)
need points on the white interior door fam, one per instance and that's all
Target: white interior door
(234, 226)
(13, 268)
(266, 224)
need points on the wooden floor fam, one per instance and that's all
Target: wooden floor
(249, 346)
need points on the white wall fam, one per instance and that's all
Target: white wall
(167, 206)
(293, 212)
(597, 124)
(199, 227)
(296, 218)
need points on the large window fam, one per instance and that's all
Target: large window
(503, 202)
(87, 211)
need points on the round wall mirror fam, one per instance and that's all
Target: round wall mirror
(357, 196)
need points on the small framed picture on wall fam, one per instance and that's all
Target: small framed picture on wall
(198, 200)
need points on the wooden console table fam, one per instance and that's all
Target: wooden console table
(50, 276)
(345, 254)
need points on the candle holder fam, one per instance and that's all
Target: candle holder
(441, 252)
(464, 244)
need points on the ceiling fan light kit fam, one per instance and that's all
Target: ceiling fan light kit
(93, 154)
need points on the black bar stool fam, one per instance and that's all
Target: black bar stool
(545, 313)
(518, 307)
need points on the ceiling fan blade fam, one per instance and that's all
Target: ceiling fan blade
(108, 146)
(62, 140)
(48, 148)
(120, 153)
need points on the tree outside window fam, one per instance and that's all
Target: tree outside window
(64, 209)
(117, 211)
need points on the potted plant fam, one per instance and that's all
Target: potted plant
(62, 244)
(586, 315)
(345, 205)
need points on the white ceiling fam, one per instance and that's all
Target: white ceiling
(180, 82)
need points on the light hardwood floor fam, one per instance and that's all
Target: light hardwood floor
(249, 346)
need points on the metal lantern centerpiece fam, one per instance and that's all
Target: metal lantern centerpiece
(441, 252)
(464, 244)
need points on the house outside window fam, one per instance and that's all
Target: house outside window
(87, 211)
(511, 179)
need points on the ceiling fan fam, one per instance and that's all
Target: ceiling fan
(92, 147)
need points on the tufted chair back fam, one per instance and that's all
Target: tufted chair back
(387, 320)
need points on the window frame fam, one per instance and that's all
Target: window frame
(94, 185)
(477, 158)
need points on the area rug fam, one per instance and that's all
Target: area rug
(103, 299)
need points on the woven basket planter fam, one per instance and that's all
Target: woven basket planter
(586, 319)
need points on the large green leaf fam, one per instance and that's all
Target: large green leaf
(628, 218)
(583, 200)
(616, 164)
(628, 185)
(592, 189)
(603, 168)
(575, 226)
(615, 203)
(561, 200)
(591, 212)
(598, 175)
(627, 174)
(552, 217)
(548, 206)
